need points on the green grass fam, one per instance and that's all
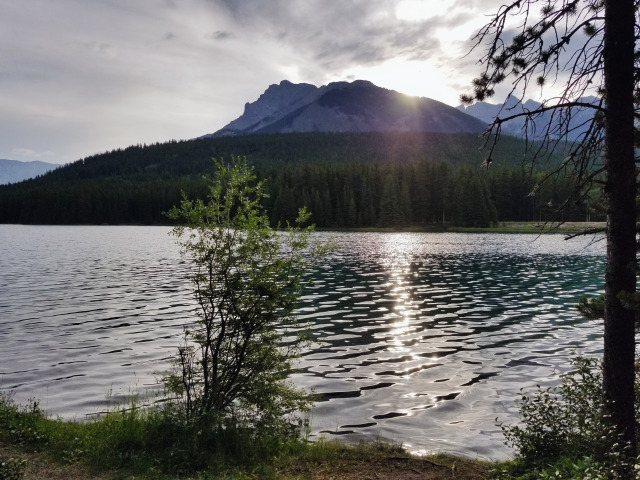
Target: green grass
(156, 444)
(151, 441)
(533, 227)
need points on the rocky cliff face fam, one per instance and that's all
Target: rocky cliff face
(276, 102)
(359, 106)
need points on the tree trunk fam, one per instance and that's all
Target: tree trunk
(620, 276)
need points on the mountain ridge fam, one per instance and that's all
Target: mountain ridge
(12, 171)
(537, 128)
(358, 106)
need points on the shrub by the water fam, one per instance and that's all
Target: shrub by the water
(230, 379)
(564, 433)
(230, 401)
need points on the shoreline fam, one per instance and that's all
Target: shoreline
(567, 228)
(544, 228)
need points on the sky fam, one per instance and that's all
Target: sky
(80, 77)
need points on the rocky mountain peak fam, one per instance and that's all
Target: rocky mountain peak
(345, 106)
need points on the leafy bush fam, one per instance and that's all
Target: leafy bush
(561, 420)
(582, 469)
(564, 433)
(12, 468)
(231, 374)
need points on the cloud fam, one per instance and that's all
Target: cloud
(83, 77)
(335, 36)
(221, 35)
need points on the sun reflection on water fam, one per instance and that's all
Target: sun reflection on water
(400, 250)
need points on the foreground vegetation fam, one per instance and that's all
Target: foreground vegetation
(150, 444)
(563, 435)
(565, 432)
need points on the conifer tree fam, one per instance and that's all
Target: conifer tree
(588, 47)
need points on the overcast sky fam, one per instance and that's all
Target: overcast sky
(79, 77)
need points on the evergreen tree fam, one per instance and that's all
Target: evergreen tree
(390, 206)
(602, 59)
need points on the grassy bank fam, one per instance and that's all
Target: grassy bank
(567, 228)
(148, 445)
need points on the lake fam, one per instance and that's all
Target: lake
(421, 338)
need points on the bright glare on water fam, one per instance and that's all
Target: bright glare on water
(422, 339)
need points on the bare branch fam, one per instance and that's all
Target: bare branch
(588, 231)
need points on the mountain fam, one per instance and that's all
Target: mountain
(487, 112)
(359, 106)
(12, 171)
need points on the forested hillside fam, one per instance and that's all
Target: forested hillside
(346, 179)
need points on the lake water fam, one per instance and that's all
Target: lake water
(423, 339)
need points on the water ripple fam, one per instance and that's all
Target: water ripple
(419, 338)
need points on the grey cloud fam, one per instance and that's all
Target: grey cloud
(221, 35)
(338, 34)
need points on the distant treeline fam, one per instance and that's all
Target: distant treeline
(421, 193)
(346, 179)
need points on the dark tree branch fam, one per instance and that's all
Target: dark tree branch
(588, 231)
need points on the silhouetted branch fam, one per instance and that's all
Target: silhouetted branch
(588, 231)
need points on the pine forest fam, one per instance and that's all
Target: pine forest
(347, 180)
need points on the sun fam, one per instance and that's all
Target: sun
(416, 78)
